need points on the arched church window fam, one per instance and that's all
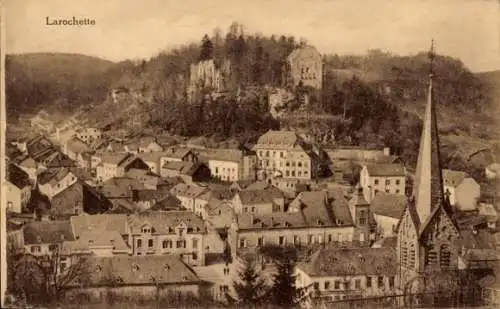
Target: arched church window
(431, 256)
(444, 256)
(411, 258)
(404, 255)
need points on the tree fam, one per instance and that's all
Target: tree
(250, 287)
(45, 278)
(284, 292)
(207, 48)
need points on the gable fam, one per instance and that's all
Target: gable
(406, 226)
(440, 227)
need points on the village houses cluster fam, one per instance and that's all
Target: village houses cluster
(145, 206)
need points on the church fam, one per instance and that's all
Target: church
(427, 232)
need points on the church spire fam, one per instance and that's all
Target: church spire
(428, 185)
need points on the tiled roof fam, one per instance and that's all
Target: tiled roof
(120, 187)
(229, 155)
(218, 194)
(388, 205)
(17, 176)
(306, 51)
(278, 138)
(44, 232)
(278, 220)
(114, 157)
(386, 169)
(53, 175)
(187, 190)
(267, 195)
(92, 238)
(183, 167)
(176, 152)
(140, 270)
(168, 203)
(28, 162)
(453, 178)
(110, 222)
(257, 185)
(151, 156)
(165, 222)
(345, 262)
(150, 194)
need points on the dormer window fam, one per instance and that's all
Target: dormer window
(146, 230)
(166, 267)
(98, 269)
(135, 267)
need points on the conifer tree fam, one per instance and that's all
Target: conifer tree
(250, 287)
(207, 48)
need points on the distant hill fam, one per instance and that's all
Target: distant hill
(55, 80)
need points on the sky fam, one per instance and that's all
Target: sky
(125, 29)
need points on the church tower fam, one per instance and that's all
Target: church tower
(427, 232)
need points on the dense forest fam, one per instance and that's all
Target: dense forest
(365, 93)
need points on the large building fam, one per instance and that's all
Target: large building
(232, 164)
(283, 153)
(427, 232)
(305, 66)
(382, 178)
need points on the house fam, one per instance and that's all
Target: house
(267, 201)
(283, 153)
(490, 213)
(305, 67)
(96, 243)
(168, 203)
(309, 221)
(89, 135)
(388, 178)
(148, 179)
(149, 144)
(188, 171)
(387, 210)
(232, 164)
(74, 147)
(291, 186)
(213, 195)
(462, 191)
(176, 154)
(187, 194)
(152, 159)
(145, 277)
(117, 164)
(55, 180)
(219, 214)
(338, 274)
(45, 237)
(76, 199)
(361, 215)
(18, 188)
(179, 233)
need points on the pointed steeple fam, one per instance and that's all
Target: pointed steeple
(428, 190)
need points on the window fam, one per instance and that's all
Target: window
(260, 153)
(150, 243)
(299, 174)
(316, 285)
(346, 285)
(368, 282)
(375, 181)
(398, 181)
(287, 163)
(380, 281)
(327, 285)
(167, 244)
(357, 284)
(276, 208)
(386, 190)
(287, 173)
(431, 257)
(195, 256)
(35, 249)
(195, 243)
(281, 154)
(139, 243)
(181, 244)
(267, 153)
(376, 191)
(52, 248)
(181, 232)
(281, 240)
(387, 182)
(253, 209)
(362, 217)
(260, 242)
(310, 239)
(293, 173)
(296, 240)
(397, 191)
(391, 282)
(444, 256)
(242, 243)
(299, 164)
(412, 257)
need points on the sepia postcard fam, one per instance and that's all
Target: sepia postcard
(250, 154)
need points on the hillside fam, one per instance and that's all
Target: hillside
(55, 80)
